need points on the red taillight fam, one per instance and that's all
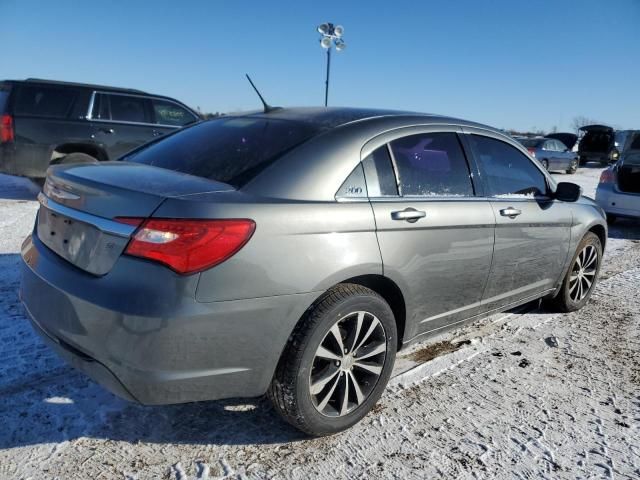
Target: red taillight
(607, 176)
(188, 246)
(6, 129)
(532, 151)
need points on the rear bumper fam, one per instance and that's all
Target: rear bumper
(602, 157)
(140, 332)
(618, 203)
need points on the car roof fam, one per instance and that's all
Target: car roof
(326, 118)
(315, 169)
(40, 81)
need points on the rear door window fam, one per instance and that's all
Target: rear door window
(506, 170)
(44, 101)
(170, 113)
(431, 164)
(100, 109)
(121, 108)
(232, 150)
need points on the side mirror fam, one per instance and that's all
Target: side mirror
(568, 192)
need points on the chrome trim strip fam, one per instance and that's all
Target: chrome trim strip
(90, 111)
(122, 122)
(103, 224)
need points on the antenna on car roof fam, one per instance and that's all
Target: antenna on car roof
(267, 108)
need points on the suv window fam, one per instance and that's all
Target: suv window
(231, 150)
(506, 170)
(4, 96)
(101, 107)
(169, 113)
(44, 101)
(381, 181)
(128, 108)
(432, 164)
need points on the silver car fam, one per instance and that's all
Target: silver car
(294, 252)
(618, 191)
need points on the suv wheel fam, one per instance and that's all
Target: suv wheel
(545, 164)
(581, 278)
(573, 167)
(337, 361)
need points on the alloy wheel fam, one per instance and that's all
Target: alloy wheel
(347, 364)
(583, 273)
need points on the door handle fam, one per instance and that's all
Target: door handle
(510, 212)
(156, 133)
(107, 130)
(411, 215)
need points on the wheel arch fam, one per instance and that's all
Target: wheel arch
(601, 232)
(391, 293)
(88, 148)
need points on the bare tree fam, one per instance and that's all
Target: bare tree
(581, 121)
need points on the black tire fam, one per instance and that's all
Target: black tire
(38, 181)
(75, 158)
(611, 218)
(290, 390)
(545, 164)
(563, 301)
(573, 167)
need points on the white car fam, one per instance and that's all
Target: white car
(618, 192)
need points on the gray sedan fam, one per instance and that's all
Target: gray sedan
(552, 154)
(294, 252)
(619, 189)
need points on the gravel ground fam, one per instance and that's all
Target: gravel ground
(520, 395)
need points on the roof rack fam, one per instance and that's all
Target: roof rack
(84, 85)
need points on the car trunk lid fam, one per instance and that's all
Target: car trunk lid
(568, 139)
(629, 173)
(81, 204)
(596, 139)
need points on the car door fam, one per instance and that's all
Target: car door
(555, 158)
(550, 153)
(563, 155)
(121, 122)
(532, 229)
(435, 235)
(168, 116)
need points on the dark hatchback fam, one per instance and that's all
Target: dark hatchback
(45, 122)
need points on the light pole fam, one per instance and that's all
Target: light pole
(330, 36)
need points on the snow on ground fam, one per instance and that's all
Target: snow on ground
(520, 395)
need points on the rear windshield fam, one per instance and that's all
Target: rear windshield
(531, 142)
(232, 150)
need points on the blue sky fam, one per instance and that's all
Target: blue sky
(511, 64)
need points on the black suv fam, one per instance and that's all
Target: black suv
(603, 144)
(45, 122)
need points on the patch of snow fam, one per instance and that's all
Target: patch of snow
(530, 394)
